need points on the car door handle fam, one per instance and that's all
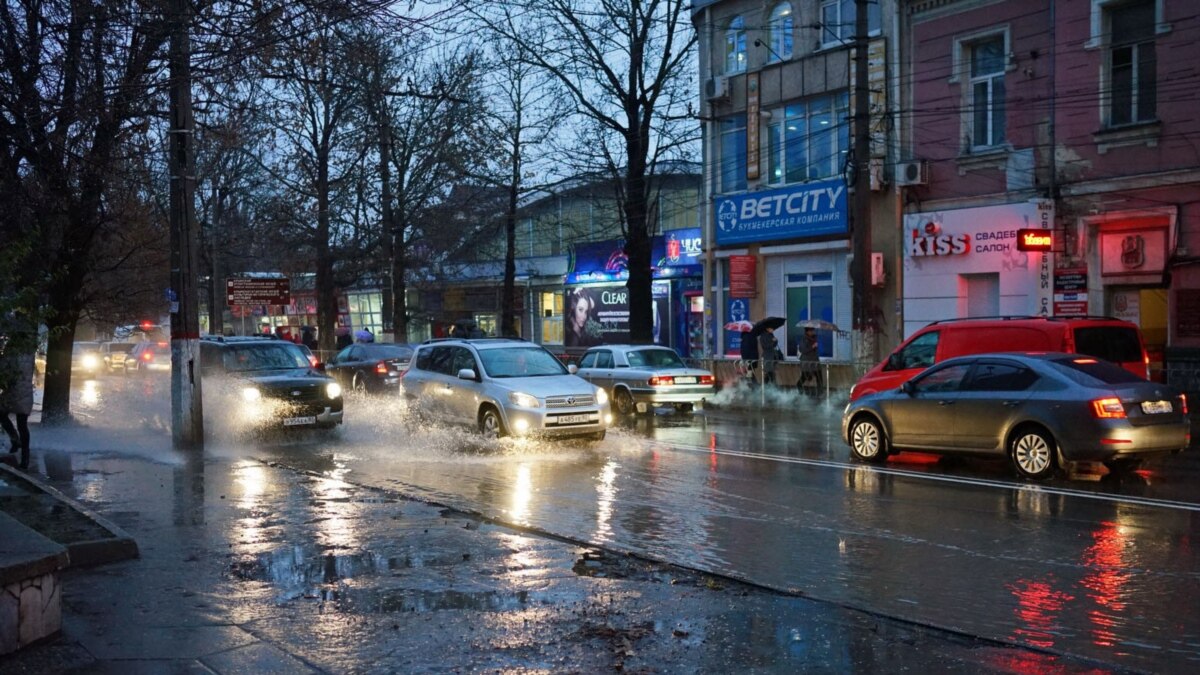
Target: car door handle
(1011, 404)
(943, 402)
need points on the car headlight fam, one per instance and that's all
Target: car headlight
(601, 396)
(333, 390)
(524, 400)
(89, 361)
(251, 394)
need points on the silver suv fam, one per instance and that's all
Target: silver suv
(504, 386)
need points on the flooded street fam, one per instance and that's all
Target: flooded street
(1106, 569)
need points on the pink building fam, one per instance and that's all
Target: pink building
(1075, 116)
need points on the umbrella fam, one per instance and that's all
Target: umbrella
(739, 326)
(363, 335)
(819, 324)
(771, 322)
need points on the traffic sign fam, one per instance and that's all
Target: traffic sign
(273, 291)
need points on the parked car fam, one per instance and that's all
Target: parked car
(638, 377)
(147, 357)
(504, 386)
(274, 379)
(1036, 410)
(1102, 337)
(371, 367)
(113, 354)
(87, 358)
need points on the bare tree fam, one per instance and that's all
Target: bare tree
(626, 64)
(422, 112)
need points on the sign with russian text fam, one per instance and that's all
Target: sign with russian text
(258, 291)
(1035, 240)
(815, 209)
(743, 276)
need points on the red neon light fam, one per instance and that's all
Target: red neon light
(1034, 240)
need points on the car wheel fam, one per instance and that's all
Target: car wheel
(1032, 451)
(624, 401)
(359, 383)
(867, 441)
(490, 425)
(1123, 465)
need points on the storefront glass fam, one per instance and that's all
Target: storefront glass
(809, 296)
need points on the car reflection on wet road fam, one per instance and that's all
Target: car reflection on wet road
(1101, 569)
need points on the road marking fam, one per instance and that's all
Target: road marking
(984, 482)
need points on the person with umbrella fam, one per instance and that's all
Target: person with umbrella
(768, 346)
(811, 381)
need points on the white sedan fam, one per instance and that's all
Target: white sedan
(639, 377)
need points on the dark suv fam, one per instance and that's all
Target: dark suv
(274, 381)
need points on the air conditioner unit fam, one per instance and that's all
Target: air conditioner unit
(717, 89)
(912, 173)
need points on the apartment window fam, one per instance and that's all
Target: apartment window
(733, 153)
(552, 318)
(735, 46)
(808, 140)
(1132, 63)
(837, 22)
(987, 92)
(781, 32)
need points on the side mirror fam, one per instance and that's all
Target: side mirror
(572, 369)
(467, 374)
(908, 388)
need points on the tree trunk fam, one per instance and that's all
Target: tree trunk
(56, 398)
(637, 243)
(508, 304)
(326, 289)
(399, 287)
(387, 216)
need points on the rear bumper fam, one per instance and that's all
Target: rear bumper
(674, 395)
(1128, 441)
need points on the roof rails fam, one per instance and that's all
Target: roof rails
(238, 338)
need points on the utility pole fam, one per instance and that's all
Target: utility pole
(860, 271)
(187, 426)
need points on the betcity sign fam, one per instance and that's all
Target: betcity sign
(808, 210)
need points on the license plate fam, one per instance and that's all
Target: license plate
(573, 419)
(685, 380)
(298, 421)
(1156, 407)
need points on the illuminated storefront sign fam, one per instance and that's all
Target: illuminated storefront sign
(1034, 240)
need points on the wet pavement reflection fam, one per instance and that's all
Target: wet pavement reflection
(1104, 569)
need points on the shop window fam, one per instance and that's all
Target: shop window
(808, 140)
(488, 324)
(552, 318)
(838, 22)
(781, 33)
(366, 311)
(809, 296)
(733, 153)
(735, 46)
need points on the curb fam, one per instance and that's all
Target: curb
(119, 546)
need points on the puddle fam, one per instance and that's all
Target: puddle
(303, 567)
(422, 601)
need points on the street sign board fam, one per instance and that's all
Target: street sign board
(257, 291)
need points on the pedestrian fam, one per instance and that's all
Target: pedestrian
(308, 337)
(810, 382)
(768, 351)
(343, 338)
(749, 353)
(16, 399)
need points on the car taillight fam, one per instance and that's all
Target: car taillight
(1146, 360)
(707, 379)
(381, 367)
(659, 381)
(1108, 407)
(1183, 403)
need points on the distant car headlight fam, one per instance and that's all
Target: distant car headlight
(90, 361)
(251, 394)
(601, 396)
(333, 390)
(524, 400)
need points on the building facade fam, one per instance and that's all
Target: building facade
(777, 100)
(1066, 116)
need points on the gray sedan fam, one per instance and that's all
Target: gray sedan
(1037, 410)
(642, 376)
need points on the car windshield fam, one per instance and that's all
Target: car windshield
(520, 362)
(123, 347)
(1111, 343)
(654, 358)
(239, 358)
(85, 347)
(1091, 372)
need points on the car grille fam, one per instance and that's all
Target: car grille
(304, 393)
(583, 400)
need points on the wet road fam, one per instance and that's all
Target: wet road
(1101, 569)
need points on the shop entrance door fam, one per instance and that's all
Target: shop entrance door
(1146, 307)
(982, 294)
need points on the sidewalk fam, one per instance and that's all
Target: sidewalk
(251, 568)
